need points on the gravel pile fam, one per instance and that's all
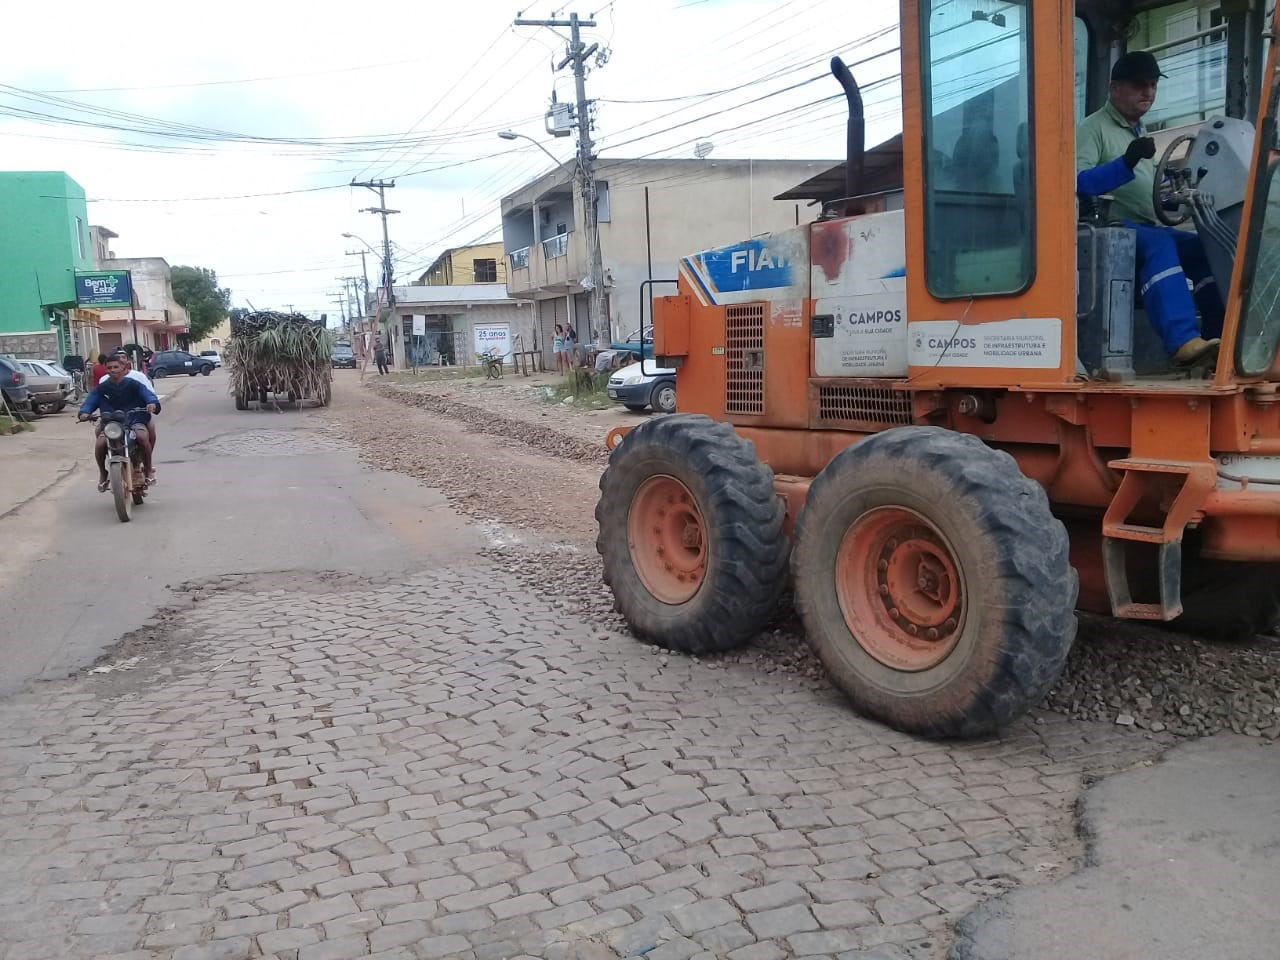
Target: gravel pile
(485, 420)
(1152, 679)
(1134, 675)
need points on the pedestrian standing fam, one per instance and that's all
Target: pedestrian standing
(98, 371)
(380, 356)
(557, 347)
(570, 347)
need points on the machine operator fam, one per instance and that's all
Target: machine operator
(1114, 156)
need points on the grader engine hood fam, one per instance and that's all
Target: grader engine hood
(859, 280)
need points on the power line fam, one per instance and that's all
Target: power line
(240, 80)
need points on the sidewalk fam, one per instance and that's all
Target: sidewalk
(34, 460)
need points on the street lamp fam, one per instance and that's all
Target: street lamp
(352, 236)
(512, 135)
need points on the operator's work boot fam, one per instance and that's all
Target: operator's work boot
(1197, 351)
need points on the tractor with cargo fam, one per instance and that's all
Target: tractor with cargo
(939, 414)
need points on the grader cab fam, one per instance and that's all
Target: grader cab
(942, 417)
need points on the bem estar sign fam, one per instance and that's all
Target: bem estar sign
(104, 288)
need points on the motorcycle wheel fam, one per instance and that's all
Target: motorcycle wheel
(120, 489)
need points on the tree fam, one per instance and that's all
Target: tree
(196, 288)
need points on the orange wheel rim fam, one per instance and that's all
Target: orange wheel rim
(667, 537)
(900, 589)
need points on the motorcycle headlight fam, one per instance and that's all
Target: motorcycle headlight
(113, 431)
(632, 381)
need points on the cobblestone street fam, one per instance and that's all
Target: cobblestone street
(445, 765)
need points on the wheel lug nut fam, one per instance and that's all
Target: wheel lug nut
(894, 613)
(884, 591)
(931, 633)
(949, 625)
(913, 629)
(892, 544)
(882, 566)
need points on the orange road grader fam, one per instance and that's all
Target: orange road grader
(941, 416)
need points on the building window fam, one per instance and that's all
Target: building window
(80, 237)
(486, 271)
(216, 342)
(603, 213)
(979, 188)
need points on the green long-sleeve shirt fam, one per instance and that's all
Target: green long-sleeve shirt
(1102, 137)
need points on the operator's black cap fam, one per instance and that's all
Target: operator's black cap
(1138, 65)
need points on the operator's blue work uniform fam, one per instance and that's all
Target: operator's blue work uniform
(1166, 257)
(128, 394)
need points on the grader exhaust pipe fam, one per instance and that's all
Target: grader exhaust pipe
(856, 146)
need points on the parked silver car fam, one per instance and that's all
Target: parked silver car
(49, 390)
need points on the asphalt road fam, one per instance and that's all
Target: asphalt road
(239, 492)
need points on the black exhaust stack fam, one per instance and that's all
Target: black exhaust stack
(856, 148)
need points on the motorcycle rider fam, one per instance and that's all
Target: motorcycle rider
(121, 394)
(142, 378)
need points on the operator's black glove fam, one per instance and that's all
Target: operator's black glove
(1143, 148)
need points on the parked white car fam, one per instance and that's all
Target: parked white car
(213, 355)
(637, 388)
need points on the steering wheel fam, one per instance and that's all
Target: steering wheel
(1163, 193)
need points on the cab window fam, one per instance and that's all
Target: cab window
(1190, 43)
(979, 172)
(1081, 60)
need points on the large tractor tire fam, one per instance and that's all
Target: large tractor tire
(691, 534)
(1229, 602)
(933, 582)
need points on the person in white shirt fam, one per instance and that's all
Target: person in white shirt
(144, 379)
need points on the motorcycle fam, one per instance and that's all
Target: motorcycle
(124, 461)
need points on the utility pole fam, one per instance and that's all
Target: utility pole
(388, 271)
(341, 301)
(364, 269)
(577, 55)
(351, 287)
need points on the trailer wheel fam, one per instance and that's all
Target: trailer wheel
(933, 582)
(691, 534)
(1229, 602)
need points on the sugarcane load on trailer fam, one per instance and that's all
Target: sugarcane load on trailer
(273, 357)
(1035, 373)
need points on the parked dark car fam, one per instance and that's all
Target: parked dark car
(168, 363)
(13, 384)
(639, 344)
(344, 356)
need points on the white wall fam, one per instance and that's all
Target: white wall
(691, 208)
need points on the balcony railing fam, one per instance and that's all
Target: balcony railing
(519, 259)
(556, 247)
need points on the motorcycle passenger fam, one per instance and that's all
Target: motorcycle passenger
(1114, 155)
(121, 394)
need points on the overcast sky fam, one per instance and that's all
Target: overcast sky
(152, 111)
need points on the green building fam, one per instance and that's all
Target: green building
(44, 240)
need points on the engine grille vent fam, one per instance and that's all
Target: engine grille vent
(865, 405)
(744, 358)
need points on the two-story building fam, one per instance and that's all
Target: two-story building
(43, 242)
(477, 263)
(157, 319)
(651, 213)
